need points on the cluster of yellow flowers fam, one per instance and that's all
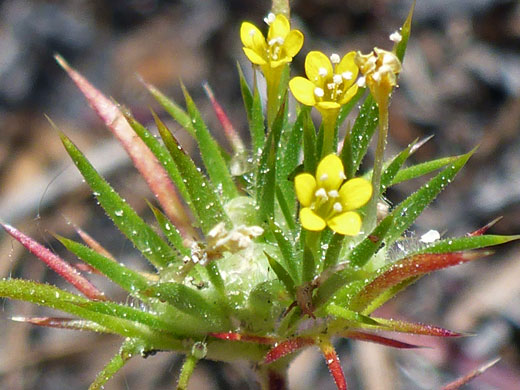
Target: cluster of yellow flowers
(327, 199)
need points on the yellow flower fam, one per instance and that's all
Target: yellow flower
(330, 83)
(329, 200)
(281, 46)
(379, 69)
(271, 55)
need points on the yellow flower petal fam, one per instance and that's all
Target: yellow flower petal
(293, 43)
(315, 61)
(283, 61)
(251, 36)
(254, 57)
(348, 223)
(303, 90)
(355, 193)
(328, 105)
(279, 28)
(330, 173)
(347, 64)
(348, 94)
(305, 186)
(311, 221)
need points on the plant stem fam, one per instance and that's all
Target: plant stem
(371, 217)
(273, 77)
(281, 7)
(186, 372)
(329, 130)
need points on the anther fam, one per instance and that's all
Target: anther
(321, 194)
(319, 92)
(395, 37)
(337, 79)
(347, 75)
(337, 207)
(322, 72)
(334, 58)
(270, 18)
(333, 194)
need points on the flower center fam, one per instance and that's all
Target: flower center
(274, 48)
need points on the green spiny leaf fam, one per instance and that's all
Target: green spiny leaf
(124, 217)
(205, 201)
(170, 231)
(257, 124)
(371, 243)
(408, 210)
(125, 277)
(282, 274)
(266, 173)
(400, 47)
(210, 151)
(309, 144)
(172, 108)
(465, 243)
(191, 302)
(288, 252)
(135, 315)
(247, 96)
(55, 298)
(393, 167)
(333, 250)
(360, 136)
(289, 159)
(160, 152)
(421, 169)
(284, 207)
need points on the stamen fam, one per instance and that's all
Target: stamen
(395, 37)
(331, 86)
(347, 75)
(361, 82)
(334, 58)
(337, 207)
(333, 194)
(319, 92)
(322, 72)
(321, 194)
(342, 175)
(270, 18)
(337, 79)
(377, 77)
(277, 40)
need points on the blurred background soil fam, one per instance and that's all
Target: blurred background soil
(461, 83)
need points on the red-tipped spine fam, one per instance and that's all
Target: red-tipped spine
(374, 338)
(287, 347)
(229, 130)
(56, 263)
(457, 384)
(417, 328)
(154, 174)
(484, 228)
(331, 357)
